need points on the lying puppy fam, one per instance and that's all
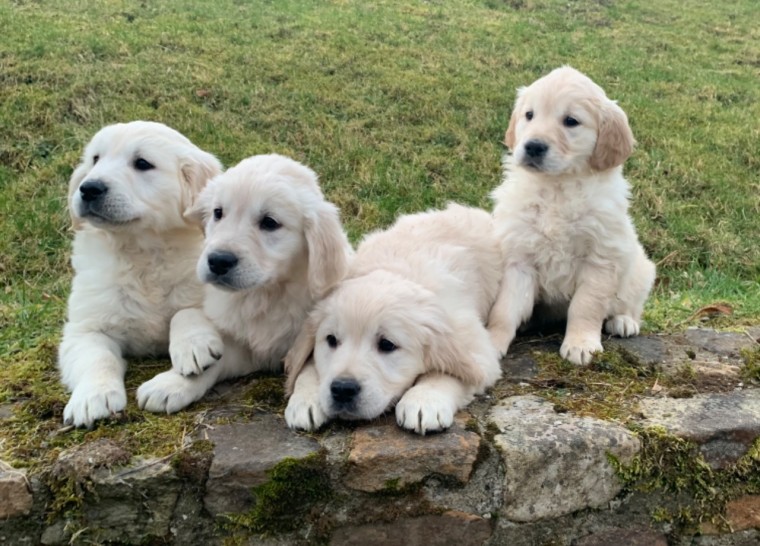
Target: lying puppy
(406, 327)
(132, 257)
(273, 247)
(562, 217)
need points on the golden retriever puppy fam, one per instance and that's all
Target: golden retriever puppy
(273, 247)
(133, 257)
(562, 217)
(406, 327)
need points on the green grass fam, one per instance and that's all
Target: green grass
(399, 106)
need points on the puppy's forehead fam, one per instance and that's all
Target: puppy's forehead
(563, 84)
(143, 137)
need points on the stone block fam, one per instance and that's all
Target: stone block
(723, 425)
(243, 453)
(15, 495)
(383, 456)
(556, 463)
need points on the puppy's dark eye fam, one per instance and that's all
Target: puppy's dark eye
(332, 341)
(570, 121)
(386, 345)
(529, 115)
(218, 214)
(95, 159)
(269, 224)
(143, 165)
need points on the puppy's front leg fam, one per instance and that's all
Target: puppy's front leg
(513, 306)
(93, 369)
(170, 391)
(194, 343)
(304, 410)
(588, 308)
(432, 402)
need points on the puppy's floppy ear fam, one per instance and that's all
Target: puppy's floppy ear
(509, 138)
(197, 167)
(444, 351)
(76, 178)
(329, 250)
(301, 351)
(614, 142)
(196, 213)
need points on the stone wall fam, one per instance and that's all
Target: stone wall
(537, 461)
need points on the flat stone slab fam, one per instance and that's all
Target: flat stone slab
(556, 463)
(243, 453)
(646, 349)
(383, 456)
(435, 530)
(727, 344)
(15, 495)
(723, 425)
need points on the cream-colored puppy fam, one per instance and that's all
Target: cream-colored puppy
(273, 247)
(562, 217)
(406, 327)
(133, 257)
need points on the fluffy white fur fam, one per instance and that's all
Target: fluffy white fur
(273, 247)
(406, 327)
(562, 217)
(133, 257)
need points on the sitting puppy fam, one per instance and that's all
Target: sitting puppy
(406, 327)
(273, 247)
(133, 257)
(562, 217)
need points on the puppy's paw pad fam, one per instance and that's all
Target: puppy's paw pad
(91, 402)
(622, 326)
(423, 411)
(193, 355)
(304, 413)
(580, 352)
(168, 392)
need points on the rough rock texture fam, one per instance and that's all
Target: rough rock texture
(647, 349)
(724, 425)
(639, 536)
(727, 344)
(243, 453)
(741, 514)
(15, 494)
(556, 463)
(435, 530)
(386, 457)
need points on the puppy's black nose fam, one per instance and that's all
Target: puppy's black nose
(535, 148)
(344, 391)
(221, 262)
(92, 189)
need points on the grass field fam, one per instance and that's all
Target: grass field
(399, 106)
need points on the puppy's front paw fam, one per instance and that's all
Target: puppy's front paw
(580, 351)
(304, 411)
(169, 392)
(192, 355)
(94, 400)
(424, 410)
(621, 325)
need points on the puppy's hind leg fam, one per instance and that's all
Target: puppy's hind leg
(194, 343)
(93, 369)
(628, 304)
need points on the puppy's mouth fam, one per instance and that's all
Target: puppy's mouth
(533, 164)
(100, 219)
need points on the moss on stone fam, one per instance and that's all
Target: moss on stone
(267, 392)
(284, 502)
(751, 369)
(697, 493)
(194, 462)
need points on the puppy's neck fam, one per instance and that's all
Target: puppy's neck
(129, 242)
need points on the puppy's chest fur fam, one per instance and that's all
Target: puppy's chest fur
(131, 291)
(558, 230)
(264, 320)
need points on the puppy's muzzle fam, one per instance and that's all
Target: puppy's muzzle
(221, 263)
(535, 152)
(344, 392)
(92, 190)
